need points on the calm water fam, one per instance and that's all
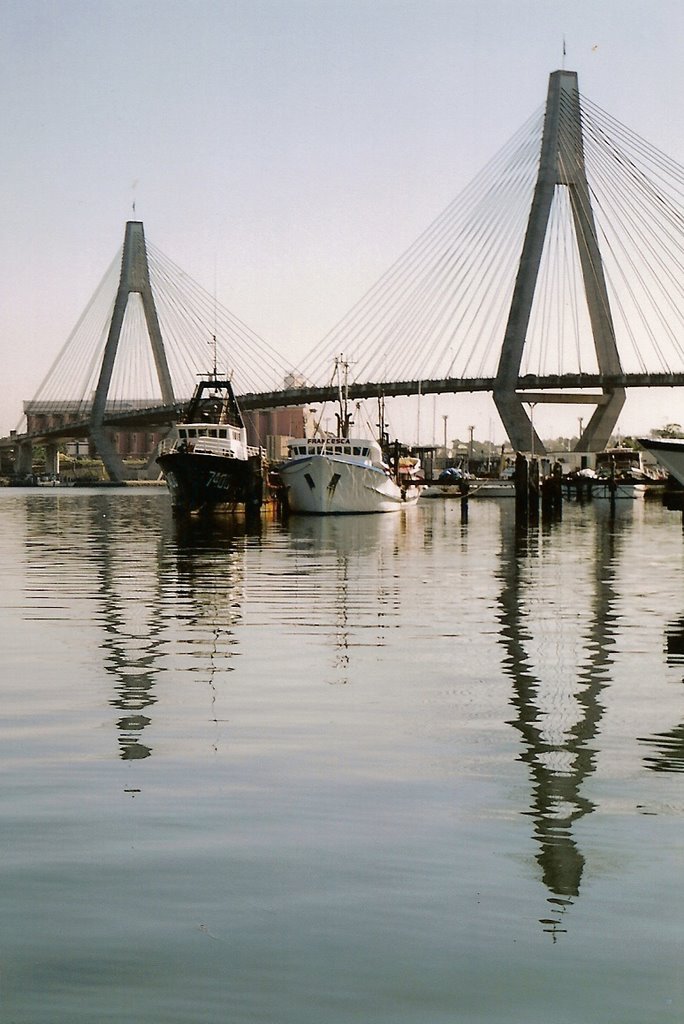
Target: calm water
(397, 769)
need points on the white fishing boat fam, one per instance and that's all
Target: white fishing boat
(336, 475)
(342, 474)
(669, 451)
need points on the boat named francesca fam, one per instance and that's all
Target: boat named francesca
(337, 475)
(326, 475)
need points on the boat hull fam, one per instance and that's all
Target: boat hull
(200, 483)
(669, 452)
(603, 490)
(324, 485)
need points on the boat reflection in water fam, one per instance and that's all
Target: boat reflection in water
(351, 582)
(668, 747)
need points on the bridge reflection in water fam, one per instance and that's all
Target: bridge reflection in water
(165, 603)
(558, 656)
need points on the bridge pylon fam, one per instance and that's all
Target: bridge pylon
(135, 277)
(561, 164)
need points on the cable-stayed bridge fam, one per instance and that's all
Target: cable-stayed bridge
(555, 276)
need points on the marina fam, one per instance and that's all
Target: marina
(310, 718)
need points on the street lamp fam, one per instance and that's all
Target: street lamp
(445, 418)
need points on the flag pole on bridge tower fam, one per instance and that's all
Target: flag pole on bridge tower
(561, 163)
(135, 277)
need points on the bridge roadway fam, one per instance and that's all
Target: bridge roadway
(549, 388)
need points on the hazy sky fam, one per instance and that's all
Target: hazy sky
(284, 152)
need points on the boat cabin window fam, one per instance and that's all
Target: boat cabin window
(357, 450)
(192, 432)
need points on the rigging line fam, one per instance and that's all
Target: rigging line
(427, 235)
(445, 264)
(508, 261)
(549, 289)
(573, 285)
(644, 244)
(619, 265)
(583, 200)
(663, 203)
(657, 156)
(498, 258)
(178, 351)
(428, 253)
(639, 214)
(260, 345)
(76, 328)
(469, 229)
(64, 371)
(570, 264)
(428, 292)
(502, 261)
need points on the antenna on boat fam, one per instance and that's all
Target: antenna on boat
(215, 368)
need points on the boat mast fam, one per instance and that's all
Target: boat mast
(215, 366)
(343, 417)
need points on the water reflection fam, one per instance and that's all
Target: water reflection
(336, 575)
(82, 549)
(558, 643)
(668, 747)
(165, 595)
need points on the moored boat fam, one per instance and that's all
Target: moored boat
(337, 475)
(455, 483)
(621, 474)
(669, 451)
(209, 465)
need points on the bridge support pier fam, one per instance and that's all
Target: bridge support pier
(23, 463)
(52, 460)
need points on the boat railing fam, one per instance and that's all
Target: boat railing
(208, 446)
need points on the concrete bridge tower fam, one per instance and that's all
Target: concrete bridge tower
(135, 277)
(561, 163)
